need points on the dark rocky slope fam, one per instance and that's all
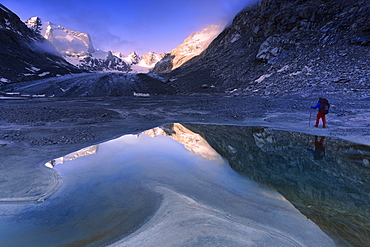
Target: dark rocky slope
(279, 47)
(25, 55)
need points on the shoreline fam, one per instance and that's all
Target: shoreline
(35, 131)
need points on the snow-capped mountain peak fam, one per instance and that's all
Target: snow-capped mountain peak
(150, 59)
(77, 47)
(132, 58)
(191, 47)
(198, 41)
(143, 64)
(64, 39)
(26, 55)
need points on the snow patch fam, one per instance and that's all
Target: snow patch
(139, 69)
(235, 38)
(295, 73)
(99, 54)
(263, 77)
(33, 69)
(4, 9)
(72, 60)
(283, 68)
(7, 23)
(4, 80)
(141, 94)
(12, 93)
(44, 74)
(143, 64)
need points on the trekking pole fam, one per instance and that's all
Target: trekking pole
(309, 122)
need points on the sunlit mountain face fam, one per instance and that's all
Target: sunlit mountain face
(25, 54)
(77, 47)
(278, 48)
(192, 46)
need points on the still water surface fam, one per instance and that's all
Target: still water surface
(165, 187)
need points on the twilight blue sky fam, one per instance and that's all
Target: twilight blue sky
(126, 25)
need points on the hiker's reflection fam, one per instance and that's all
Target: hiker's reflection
(319, 152)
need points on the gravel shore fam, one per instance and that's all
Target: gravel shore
(34, 131)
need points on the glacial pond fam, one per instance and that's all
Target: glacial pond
(202, 185)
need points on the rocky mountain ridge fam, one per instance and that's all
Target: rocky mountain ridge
(79, 53)
(78, 49)
(145, 63)
(280, 47)
(25, 54)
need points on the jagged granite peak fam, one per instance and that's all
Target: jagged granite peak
(143, 64)
(117, 54)
(191, 47)
(133, 58)
(110, 55)
(25, 54)
(11, 22)
(35, 24)
(281, 47)
(150, 59)
(77, 47)
(64, 39)
(70, 36)
(198, 41)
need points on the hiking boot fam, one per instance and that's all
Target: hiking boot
(316, 126)
(324, 126)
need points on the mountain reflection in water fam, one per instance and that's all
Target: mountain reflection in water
(327, 179)
(174, 186)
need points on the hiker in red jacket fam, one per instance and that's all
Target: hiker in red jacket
(323, 106)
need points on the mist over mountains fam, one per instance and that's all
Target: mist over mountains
(272, 48)
(74, 52)
(78, 49)
(268, 64)
(26, 55)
